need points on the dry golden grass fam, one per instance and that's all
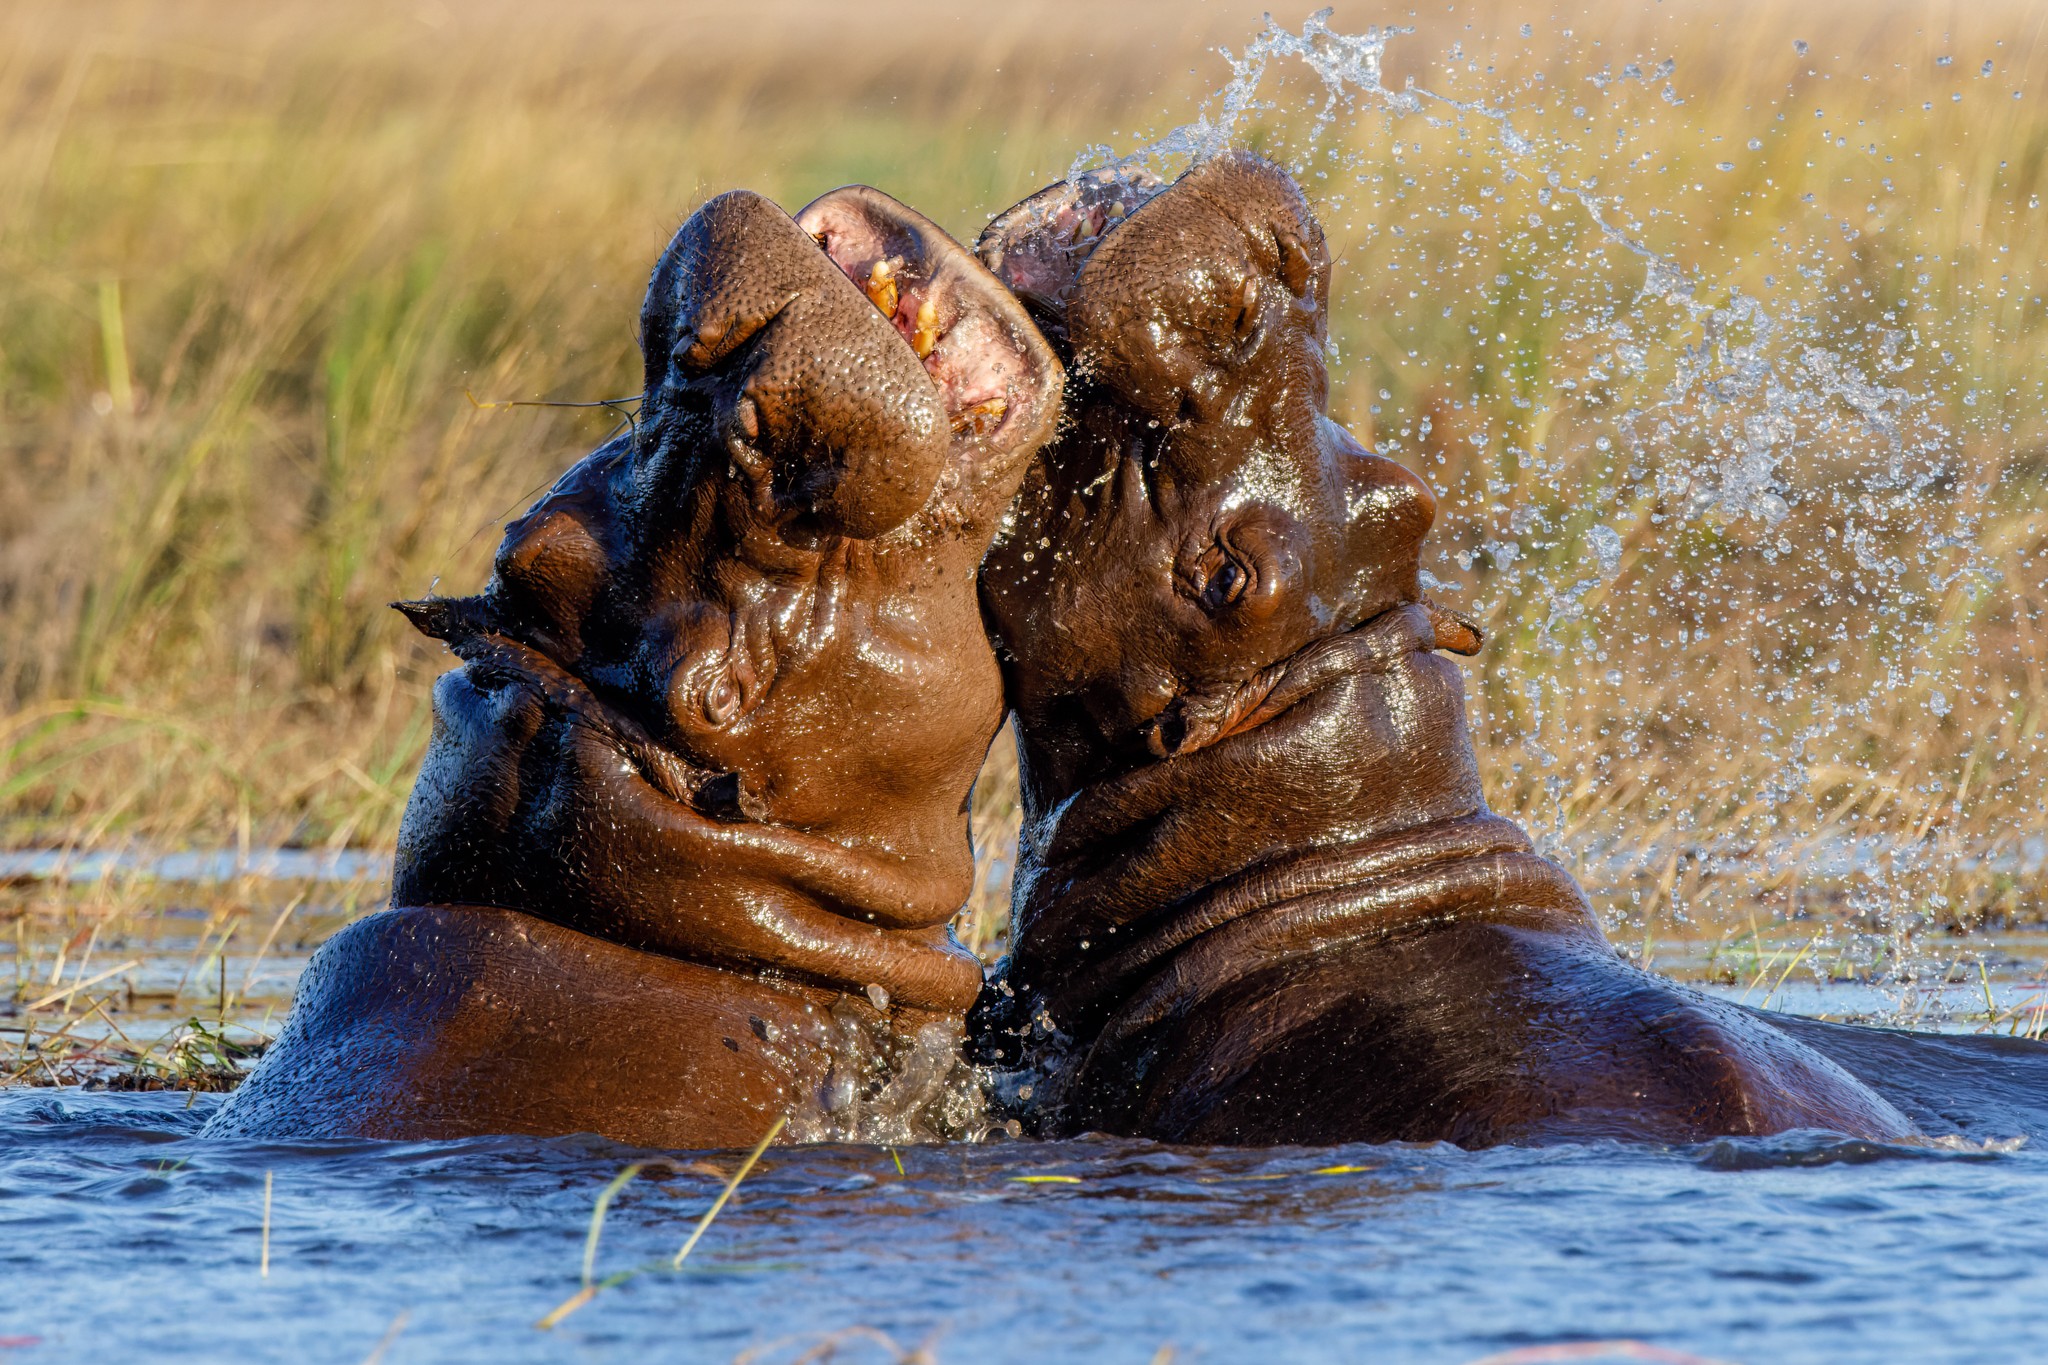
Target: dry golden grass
(253, 255)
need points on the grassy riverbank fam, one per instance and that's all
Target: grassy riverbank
(255, 259)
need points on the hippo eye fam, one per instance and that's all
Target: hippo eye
(1218, 581)
(722, 701)
(1225, 586)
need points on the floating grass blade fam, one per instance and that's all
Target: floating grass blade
(269, 1177)
(726, 1193)
(591, 1286)
(78, 986)
(383, 1345)
(589, 1289)
(604, 1203)
(566, 1307)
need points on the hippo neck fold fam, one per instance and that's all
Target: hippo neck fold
(1343, 800)
(618, 837)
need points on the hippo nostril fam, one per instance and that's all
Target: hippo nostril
(686, 342)
(1165, 735)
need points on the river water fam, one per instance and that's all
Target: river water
(123, 1235)
(128, 1238)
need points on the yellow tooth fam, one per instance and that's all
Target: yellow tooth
(1116, 210)
(881, 287)
(982, 418)
(926, 334)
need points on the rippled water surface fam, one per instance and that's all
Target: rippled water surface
(128, 1238)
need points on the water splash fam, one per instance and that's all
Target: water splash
(850, 1076)
(1349, 65)
(1777, 475)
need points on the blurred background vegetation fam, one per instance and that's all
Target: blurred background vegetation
(256, 257)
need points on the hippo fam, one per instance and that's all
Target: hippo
(693, 818)
(1259, 897)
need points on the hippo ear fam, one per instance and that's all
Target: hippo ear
(807, 386)
(1456, 633)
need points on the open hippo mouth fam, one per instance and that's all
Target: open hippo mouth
(856, 364)
(1039, 246)
(955, 317)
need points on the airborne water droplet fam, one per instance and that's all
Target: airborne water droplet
(1605, 544)
(1757, 450)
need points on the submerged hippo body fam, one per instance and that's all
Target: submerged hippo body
(1259, 896)
(694, 815)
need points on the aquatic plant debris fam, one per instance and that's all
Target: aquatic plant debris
(597, 1215)
(723, 1195)
(391, 1334)
(1579, 1242)
(592, 1287)
(1284, 1175)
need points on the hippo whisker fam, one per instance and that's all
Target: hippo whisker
(628, 415)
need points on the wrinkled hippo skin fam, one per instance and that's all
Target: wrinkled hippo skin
(696, 800)
(1259, 896)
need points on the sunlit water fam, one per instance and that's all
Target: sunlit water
(127, 1238)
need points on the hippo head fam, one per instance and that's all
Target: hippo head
(849, 361)
(728, 689)
(1201, 518)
